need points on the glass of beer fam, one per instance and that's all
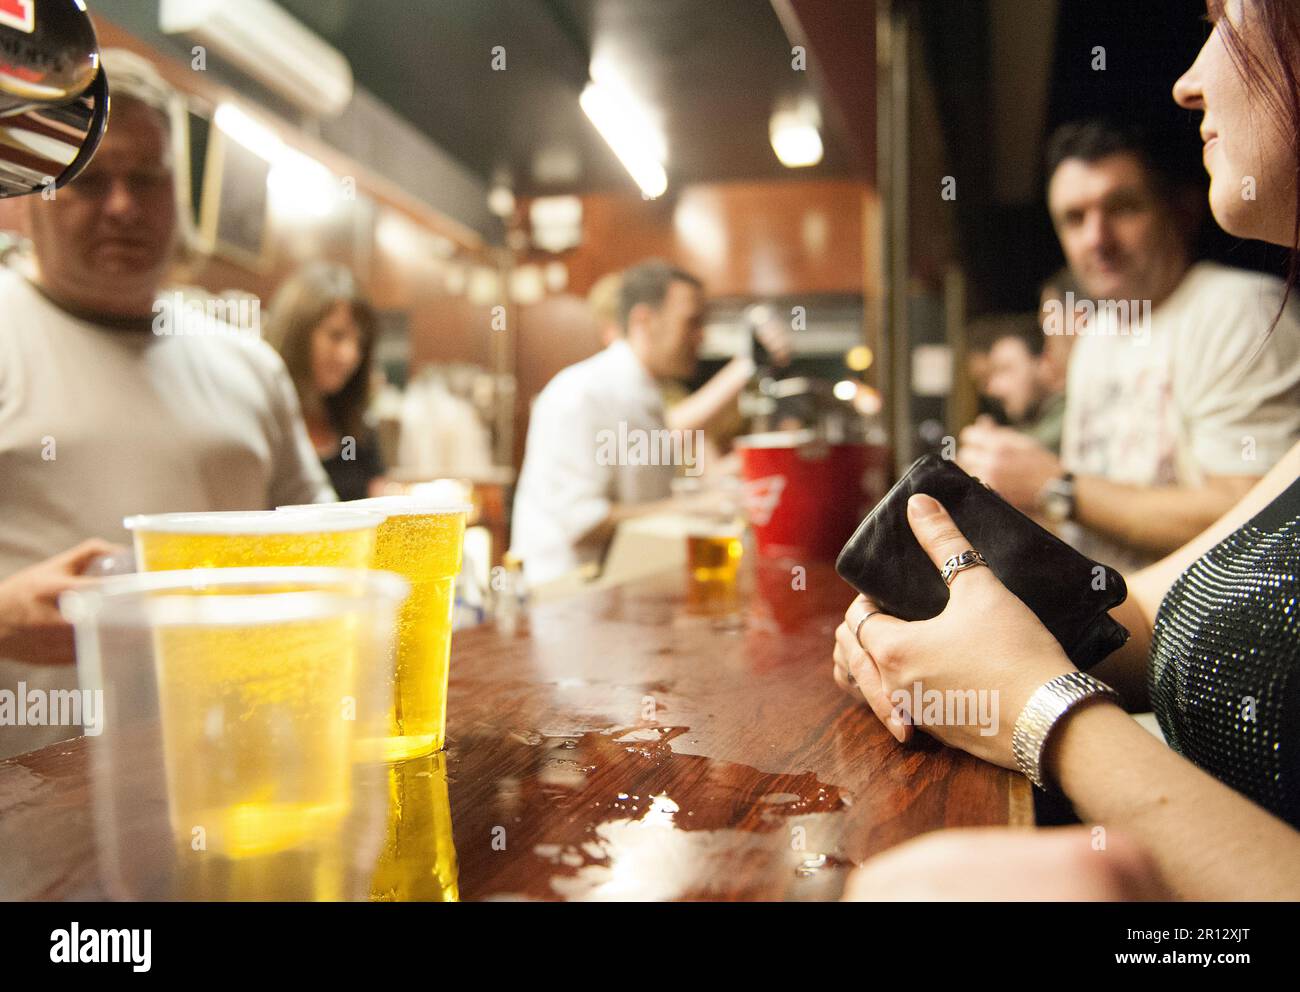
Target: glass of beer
(714, 548)
(228, 712)
(319, 536)
(420, 540)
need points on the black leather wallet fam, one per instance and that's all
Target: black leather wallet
(1068, 591)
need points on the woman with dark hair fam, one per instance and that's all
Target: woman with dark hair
(324, 328)
(1215, 646)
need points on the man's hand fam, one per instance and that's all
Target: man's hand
(774, 335)
(1015, 465)
(31, 628)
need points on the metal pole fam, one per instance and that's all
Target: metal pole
(893, 38)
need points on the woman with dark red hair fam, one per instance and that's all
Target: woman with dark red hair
(1215, 649)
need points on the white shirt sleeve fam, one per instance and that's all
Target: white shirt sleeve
(1239, 389)
(565, 483)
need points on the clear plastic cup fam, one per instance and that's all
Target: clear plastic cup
(237, 711)
(320, 535)
(421, 540)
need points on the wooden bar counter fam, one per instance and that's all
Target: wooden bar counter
(652, 741)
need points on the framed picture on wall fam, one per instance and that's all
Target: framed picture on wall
(226, 195)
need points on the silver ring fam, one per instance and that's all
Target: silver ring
(857, 630)
(970, 558)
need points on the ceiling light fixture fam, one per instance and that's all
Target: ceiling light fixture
(248, 131)
(859, 358)
(501, 201)
(795, 135)
(630, 134)
(301, 185)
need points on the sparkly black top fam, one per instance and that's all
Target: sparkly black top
(1225, 659)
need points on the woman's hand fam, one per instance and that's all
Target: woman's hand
(971, 669)
(862, 680)
(1063, 864)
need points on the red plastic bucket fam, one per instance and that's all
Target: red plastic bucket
(804, 497)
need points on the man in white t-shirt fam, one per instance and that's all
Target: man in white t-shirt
(598, 450)
(101, 415)
(1182, 390)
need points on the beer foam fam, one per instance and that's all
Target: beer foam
(392, 506)
(326, 519)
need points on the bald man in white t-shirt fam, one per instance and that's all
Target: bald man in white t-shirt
(107, 408)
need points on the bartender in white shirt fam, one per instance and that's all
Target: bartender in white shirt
(583, 471)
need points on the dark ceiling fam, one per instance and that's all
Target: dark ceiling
(714, 69)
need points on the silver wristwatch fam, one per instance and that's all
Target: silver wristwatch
(1045, 708)
(1057, 500)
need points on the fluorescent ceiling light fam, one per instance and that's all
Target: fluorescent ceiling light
(630, 134)
(252, 134)
(301, 185)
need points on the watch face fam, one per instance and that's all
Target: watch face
(1057, 507)
(1057, 499)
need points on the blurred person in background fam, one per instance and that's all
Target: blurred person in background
(1026, 380)
(1170, 418)
(324, 328)
(979, 369)
(980, 335)
(1062, 311)
(109, 403)
(573, 492)
(713, 407)
(602, 301)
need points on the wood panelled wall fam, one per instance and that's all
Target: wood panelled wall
(741, 239)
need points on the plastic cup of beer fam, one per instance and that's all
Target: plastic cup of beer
(228, 709)
(321, 536)
(421, 540)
